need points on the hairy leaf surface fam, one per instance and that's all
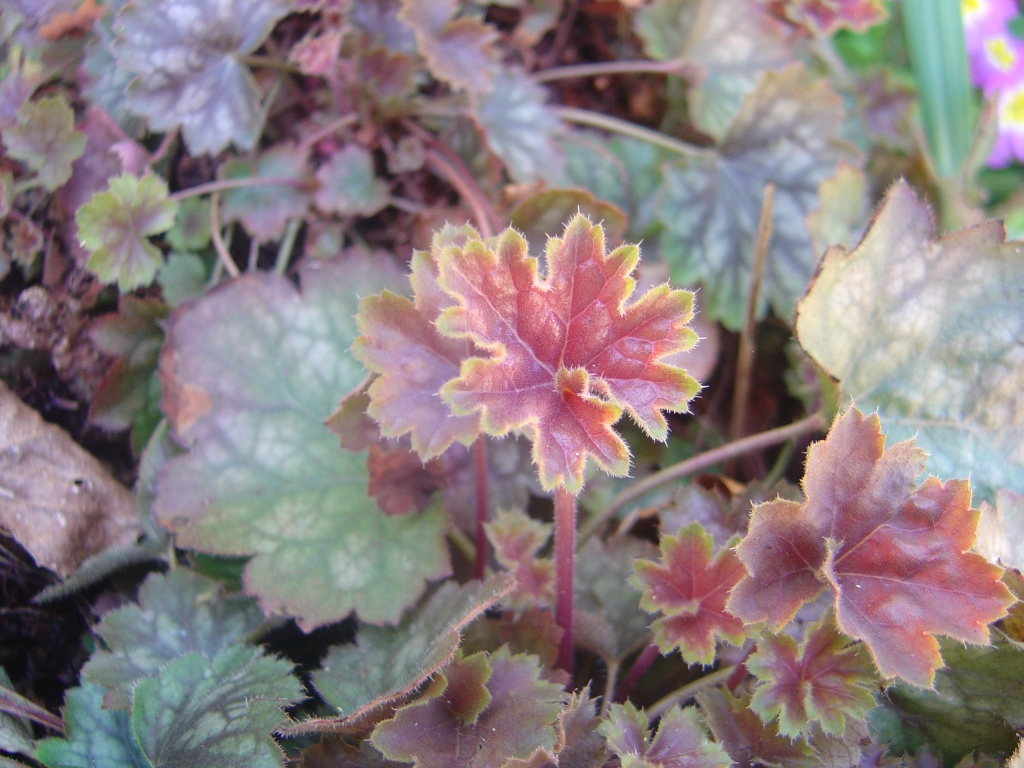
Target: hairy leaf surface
(928, 332)
(478, 712)
(690, 587)
(178, 613)
(568, 354)
(115, 226)
(747, 739)
(681, 739)
(516, 539)
(215, 713)
(250, 372)
(784, 135)
(186, 57)
(93, 735)
(399, 342)
(387, 663)
(894, 555)
(825, 680)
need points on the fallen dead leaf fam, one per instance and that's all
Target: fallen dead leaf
(56, 499)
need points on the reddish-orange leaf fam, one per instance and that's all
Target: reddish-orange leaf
(894, 555)
(412, 360)
(690, 588)
(567, 353)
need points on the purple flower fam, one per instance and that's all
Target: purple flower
(999, 62)
(983, 18)
(1009, 144)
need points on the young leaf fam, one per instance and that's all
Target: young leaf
(399, 342)
(348, 184)
(927, 331)
(826, 17)
(45, 139)
(178, 613)
(784, 135)
(93, 735)
(826, 680)
(459, 51)
(249, 373)
(387, 663)
(186, 57)
(264, 210)
(894, 556)
(690, 588)
(520, 128)
(478, 712)
(517, 538)
(681, 739)
(115, 227)
(216, 713)
(567, 353)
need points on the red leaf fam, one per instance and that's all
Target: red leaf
(826, 679)
(517, 539)
(681, 740)
(690, 588)
(400, 343)
(567, 354)
(895, 556)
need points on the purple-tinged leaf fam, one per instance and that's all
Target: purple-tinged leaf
(459, 51)
(264, 210)
(690, 588)
(478, 712)
(681, 741)
(186, 57)
(827, 680)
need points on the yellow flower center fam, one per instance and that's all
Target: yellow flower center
(970, 7)
(1000, 53)
(1011, 110)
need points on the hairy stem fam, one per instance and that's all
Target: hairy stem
(480, 491)
(625, 128)
(223, 185)
(688, 691)
(695, 464)
(639, 669)
(565, 555)
(599, 68)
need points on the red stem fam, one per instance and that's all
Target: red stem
(639, 669)
(565, 552)
(480, 467)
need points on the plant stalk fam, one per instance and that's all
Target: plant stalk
(625, 128)
(638, 670)
(565, 555)
(480, 493)
(688, 691)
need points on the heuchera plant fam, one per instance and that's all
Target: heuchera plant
(236, 233)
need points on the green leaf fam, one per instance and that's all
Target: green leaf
(115, 227)
(927, 331)
(387, 663)
(178, 613)
(45, 139)
(183, 277)
(348, 184)
(723, 46)
(186, 57)
(520, 128)
(479, 712)
(191, 230)
(215, 713)
(264, 210)
(977, 704)
(249, 374)
(95, 736)
(710, 205)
